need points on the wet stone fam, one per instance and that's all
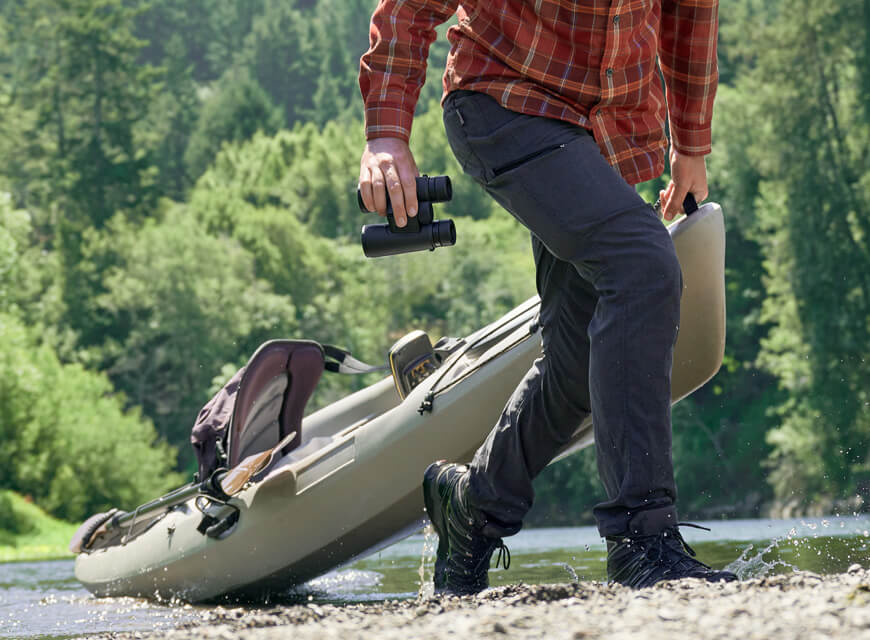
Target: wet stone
(795, 605)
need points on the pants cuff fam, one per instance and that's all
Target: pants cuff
(639, 523)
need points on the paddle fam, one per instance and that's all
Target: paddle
(236, 478)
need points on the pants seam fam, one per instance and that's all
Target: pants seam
(485, 175)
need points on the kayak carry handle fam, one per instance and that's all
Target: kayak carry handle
(690, 205)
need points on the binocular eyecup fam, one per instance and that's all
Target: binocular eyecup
(420, 233)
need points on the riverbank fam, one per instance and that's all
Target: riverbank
(799, 605)
(30, 534)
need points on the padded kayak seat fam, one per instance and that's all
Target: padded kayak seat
(261, 405)
(273, 392)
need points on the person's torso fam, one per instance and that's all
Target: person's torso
(590, 62)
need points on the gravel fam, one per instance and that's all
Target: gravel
(797, 605)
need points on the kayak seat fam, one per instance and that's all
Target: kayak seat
(274, 389)
(261, 405)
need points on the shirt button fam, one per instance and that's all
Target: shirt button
(615, 19)
(609, 73)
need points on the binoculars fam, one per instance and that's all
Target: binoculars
(420, 233)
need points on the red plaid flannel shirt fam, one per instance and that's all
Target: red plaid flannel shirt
(589, 62)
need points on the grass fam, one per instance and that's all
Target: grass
(36, 535)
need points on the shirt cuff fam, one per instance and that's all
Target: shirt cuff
(691, 140)
(388, 121)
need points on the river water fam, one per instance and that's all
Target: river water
(43, 599)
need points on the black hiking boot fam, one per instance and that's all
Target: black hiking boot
(464, 551)
(639, 561)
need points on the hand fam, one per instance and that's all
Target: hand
(388, 162)
(688, 175)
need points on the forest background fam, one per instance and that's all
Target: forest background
(177, 185)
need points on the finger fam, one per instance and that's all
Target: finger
(378, 191)
(664, 197)
(397, 198)
(674, 205)
(409, 188)
(365, 188)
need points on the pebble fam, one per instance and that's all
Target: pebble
(799, 605)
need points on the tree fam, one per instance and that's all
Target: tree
(181, 304)
(213, 32)
(236, 111)
(65, 439)
(78, 93)
(79, 74)
(171, 121)
(341, 37)
(813, 226)
(281, 54)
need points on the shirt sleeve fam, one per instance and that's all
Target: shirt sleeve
(393, 70)
(687, 55)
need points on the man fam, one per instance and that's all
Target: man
(556, 108)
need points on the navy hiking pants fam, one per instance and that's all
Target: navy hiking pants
(610, 285)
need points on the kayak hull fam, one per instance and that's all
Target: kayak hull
(354, 484)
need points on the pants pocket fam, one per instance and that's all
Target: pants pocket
(515, 164)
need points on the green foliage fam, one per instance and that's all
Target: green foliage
(11, 521)
(65, 439)
(14, 231)
(281, 53)
(181, 303)
(76, 68)
(172, 118)
(311, 174)
(213, 32)
(282, 198)
(813, 209)
(182, 180)
(32, 534)
(339, 43)
(77, 94)
(238, 109)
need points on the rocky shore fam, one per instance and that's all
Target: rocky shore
(799, 605)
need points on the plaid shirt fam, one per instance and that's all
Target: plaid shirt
(589, 62)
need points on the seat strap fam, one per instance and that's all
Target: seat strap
(342, 362)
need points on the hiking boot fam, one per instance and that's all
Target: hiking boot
(639, 561)
(464, 551)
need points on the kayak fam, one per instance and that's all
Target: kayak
(352, 485)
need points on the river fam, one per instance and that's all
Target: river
(43, 599)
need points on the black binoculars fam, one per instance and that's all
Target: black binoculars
(421, 232)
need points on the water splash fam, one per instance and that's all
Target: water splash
(574, 577)
(815, 548)
(750, 565)
(427, 563)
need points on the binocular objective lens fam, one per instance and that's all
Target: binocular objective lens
(443, 233)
